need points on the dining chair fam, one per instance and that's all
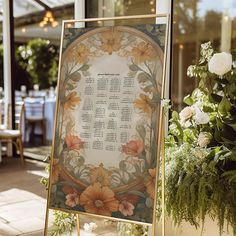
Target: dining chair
(34, 116)
(15, 135)
(4, 124)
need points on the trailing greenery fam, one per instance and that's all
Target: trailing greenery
(63, 223)
(201, 146)
(128, 229)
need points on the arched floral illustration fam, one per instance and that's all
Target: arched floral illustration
(126, 191)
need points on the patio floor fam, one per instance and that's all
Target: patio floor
(23, 201)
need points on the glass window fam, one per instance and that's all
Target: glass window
(110, 8)
(196, 22)
(57, 3)
(26, 7)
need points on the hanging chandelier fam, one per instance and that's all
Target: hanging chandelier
(48, 19)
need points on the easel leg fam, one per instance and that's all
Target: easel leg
(78, 224)
(162, 154)
(163, 186)
(46, 222)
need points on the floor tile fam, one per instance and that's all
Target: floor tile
(28, 225)
(6, 230)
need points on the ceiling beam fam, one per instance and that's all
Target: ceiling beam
(45, 6)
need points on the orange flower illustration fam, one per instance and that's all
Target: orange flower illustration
(72, 196)
(74, 142)
(133, 147)
(150, 184)
(72, 100)
(111, 41)
(144, 104)
(67, 189)
(126, 208)
(56, 169)
(100, 175)
(99, 200)
(72, 199)
(82, 53)
(143, 52)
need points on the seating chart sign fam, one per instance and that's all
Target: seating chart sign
(107, 121)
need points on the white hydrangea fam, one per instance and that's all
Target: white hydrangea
(186, 113)
(220, 63)
(90, 227)
(200, 117)
(204, 138)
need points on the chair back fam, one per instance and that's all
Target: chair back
(1, 112)
(34, 107)
(19, 115)
(5, 116)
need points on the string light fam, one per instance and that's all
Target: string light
(48, 19)
(23, 30)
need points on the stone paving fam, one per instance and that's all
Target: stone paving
(23, 201)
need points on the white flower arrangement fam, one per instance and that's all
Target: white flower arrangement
(204, 138)
(220, 63)
(200, 117)
(90, 227)
(201, 146)
(195, 114)
(186, 113)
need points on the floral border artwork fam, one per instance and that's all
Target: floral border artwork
(126, 191)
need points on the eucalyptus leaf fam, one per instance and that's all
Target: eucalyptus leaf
(188, 100)
(224, 106)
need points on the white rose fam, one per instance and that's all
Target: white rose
(186, 113)
(90, 227)
(220, 63)
(204, 138)
(200, 117)
(186, 124)
(93, 226)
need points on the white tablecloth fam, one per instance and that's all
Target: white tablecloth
(49, 112)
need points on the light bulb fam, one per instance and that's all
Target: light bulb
(48, 14)
(54, 24)
(41, 24)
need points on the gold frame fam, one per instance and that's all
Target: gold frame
(160, 143)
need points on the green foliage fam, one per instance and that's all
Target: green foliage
(201, 150)
(63, 223)
(39, 58)
(127, 229)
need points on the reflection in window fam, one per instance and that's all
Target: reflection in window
(108, 8)
(195, 22)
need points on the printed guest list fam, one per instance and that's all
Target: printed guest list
(107, 115)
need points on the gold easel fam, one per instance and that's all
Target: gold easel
(160, 130)
(78, 224)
